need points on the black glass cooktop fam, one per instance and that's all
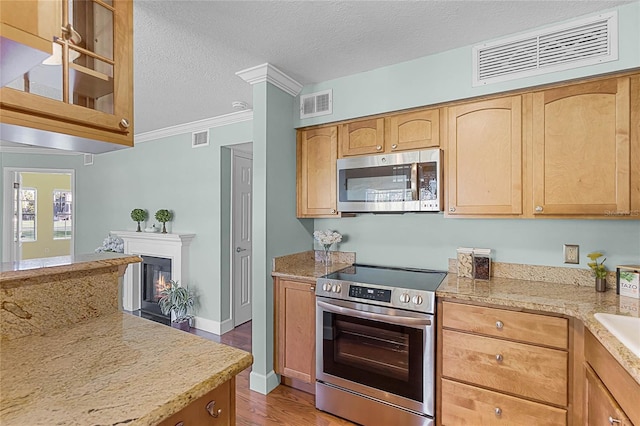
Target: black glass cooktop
(410, 279)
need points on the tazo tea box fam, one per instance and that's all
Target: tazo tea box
(628, 280)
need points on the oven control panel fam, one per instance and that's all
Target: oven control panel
(368, 293)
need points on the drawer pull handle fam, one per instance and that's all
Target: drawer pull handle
(499, 358)
(180, 424)
(212, 410)
(499, 325)
(498, 411)
(612, 420)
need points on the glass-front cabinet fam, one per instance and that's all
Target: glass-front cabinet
(85, 88)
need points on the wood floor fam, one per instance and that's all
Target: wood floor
(283, 406)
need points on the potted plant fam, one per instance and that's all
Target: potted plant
(177, 301)
(599, 270)
(138, 215)
(164, 216)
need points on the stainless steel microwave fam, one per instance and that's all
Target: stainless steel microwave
(400, 182)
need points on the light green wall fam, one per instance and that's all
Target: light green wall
(276, 231)
(166, 173)
(45, 245)
(447, 76)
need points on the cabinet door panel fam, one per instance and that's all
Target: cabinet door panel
(295, 340)
(524, 370)
(316, 172)
(600, 404)
(413, 130)
(581, 149)
(362, 137)
(485, 157)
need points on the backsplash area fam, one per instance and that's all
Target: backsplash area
(549, 274)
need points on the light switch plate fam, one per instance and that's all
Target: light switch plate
(571, 253)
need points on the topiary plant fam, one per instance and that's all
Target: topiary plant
(138, 215)
(164, 216)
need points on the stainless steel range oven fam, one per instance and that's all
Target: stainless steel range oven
(375, 347)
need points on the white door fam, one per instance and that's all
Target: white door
(16, 247)
(241, 249)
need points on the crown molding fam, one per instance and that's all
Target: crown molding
(271, 74)
(44, 151)
(207, 123)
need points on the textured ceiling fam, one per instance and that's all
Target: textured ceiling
(186, 52)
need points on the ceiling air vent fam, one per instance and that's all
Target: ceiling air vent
(315, 104)
(199, 139)
(574, 44)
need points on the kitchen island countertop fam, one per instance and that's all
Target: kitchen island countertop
(114, 369)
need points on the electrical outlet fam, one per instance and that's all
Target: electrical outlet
(571, 253)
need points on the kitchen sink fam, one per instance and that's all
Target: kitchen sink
(625, 328)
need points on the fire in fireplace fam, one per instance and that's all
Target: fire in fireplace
(156, 274)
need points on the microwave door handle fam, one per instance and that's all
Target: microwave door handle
(393, 319)
(414, 181)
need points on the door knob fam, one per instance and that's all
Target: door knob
(238, 249)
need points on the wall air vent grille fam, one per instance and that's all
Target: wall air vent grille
(88, 159)
(574, 44)
(199, 139)
(315, 104)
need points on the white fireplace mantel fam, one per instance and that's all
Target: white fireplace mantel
(169, 246)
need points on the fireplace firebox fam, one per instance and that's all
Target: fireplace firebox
(155, 276)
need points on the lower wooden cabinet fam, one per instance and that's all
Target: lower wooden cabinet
(295, 334)
(494, 370)
(612, 395)
(216, 408)
(469, 405)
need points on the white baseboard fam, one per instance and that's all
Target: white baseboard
(211, 326)
(263, 384)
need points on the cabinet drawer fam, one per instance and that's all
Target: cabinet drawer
(467, 405)
(521, 369)
(521, 326)
(197, 414)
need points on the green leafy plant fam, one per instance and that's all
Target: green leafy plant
(598, 268)
(177, 300)
(138, 215)
(164, 216)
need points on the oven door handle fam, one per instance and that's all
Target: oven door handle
(393, 319)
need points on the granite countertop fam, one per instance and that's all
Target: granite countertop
(576, 301)
(34, 268)
(115, 369)
(308, 265)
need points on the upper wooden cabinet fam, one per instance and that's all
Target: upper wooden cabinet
(317, 153)
(581, 149)
(484, 151)
(27, 29)
(362, 137)
(412, 130)
(87, 92)
(401, 132)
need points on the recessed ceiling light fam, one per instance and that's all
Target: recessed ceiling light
(239, 105)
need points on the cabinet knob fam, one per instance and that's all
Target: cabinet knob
(180, 424)
(452, 209)
(212, 410)
(124, 123)
(498, 411)
(334, 211)
(499, 325)
(539, 209)
(312, 288)
(394, 146)
(379, 147)
(499, 357)
(612, 420)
